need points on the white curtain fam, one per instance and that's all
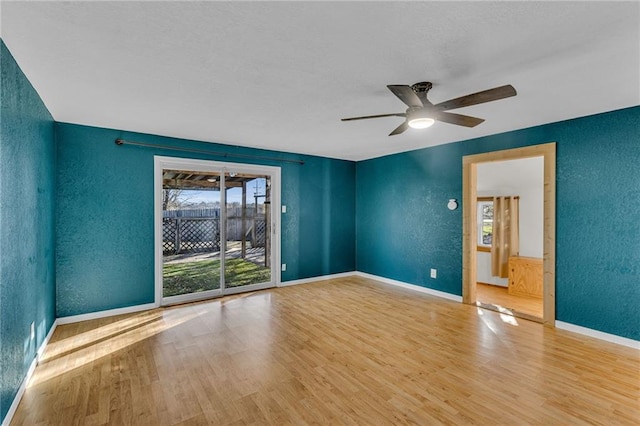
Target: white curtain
(505, 241)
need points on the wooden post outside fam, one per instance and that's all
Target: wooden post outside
(254, 242)
(244, 219)
(178, 236)
(267, 224)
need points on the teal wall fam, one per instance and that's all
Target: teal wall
(404, 228)
(104, 246)
(27, 192)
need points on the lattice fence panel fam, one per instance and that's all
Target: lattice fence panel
(169, 236)
(261, 232)
(199, 235)
(190, 235)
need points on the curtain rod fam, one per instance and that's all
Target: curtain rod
(204, 151)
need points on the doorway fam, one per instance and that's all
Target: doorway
(470, 228)
(510, 223)
(215, 229)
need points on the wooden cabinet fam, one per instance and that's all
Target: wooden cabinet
(525, 276)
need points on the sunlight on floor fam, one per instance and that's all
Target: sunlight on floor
(506, 315)
(81, 348)
(509, 319)
(61, 357)
(94, 334)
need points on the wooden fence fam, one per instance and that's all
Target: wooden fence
(197, 231)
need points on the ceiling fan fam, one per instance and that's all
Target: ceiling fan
(422, 113)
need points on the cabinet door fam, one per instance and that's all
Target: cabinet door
(525, 276)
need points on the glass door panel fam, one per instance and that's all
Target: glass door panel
(247, 250)
(191, 242)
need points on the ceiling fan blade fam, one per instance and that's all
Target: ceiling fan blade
(459, 119)
(401, 128)
(397, 114)
(406, 94)
(478, 98)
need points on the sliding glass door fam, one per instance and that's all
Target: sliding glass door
(215, 228)
(247, 254)
(191, 240)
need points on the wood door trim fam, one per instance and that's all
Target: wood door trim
(469, 231)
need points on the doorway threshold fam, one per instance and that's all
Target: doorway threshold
(509, 311)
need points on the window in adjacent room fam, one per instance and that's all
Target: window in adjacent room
(485, 223)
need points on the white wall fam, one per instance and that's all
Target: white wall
(483, 271)
(515, 177)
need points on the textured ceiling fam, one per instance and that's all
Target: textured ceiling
(280, 75)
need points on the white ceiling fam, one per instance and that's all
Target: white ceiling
(280, 75)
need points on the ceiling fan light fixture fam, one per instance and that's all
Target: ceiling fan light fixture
(419, 119)
(421, 122)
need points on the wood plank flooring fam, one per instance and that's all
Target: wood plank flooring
(344, 351)
(496, 295)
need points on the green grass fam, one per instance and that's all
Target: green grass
(202, 275)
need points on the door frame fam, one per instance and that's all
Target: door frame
(469, 226)
(159, 164)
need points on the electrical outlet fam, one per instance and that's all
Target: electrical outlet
(434, 273)
(33, 330)
(284, 208)
(283, 267)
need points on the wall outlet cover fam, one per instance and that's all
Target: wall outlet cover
(434, 273)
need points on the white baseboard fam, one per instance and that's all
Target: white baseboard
(21, 389)
(414, 287)
(634, 344)
(315, 279)
(45, 342)
(104, 314)
(27, 378)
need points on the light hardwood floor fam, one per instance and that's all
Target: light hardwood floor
(344, 351)
(496, 295)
